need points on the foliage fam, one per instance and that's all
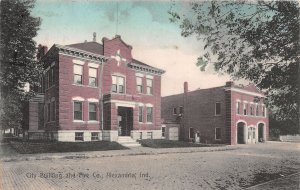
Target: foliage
(18, 63)
(257, 41)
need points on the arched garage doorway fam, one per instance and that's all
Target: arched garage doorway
(261, 134)
(241, 133)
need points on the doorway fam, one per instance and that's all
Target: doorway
(261, 132)
(125, 121)
(240, 133)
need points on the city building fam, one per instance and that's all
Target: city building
(92, 91)
(229, 114)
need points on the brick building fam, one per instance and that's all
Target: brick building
(228, 114)
(92, 91)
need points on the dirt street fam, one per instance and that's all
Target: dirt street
(232, 169)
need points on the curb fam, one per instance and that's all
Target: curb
(97, 154)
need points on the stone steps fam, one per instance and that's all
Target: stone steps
(128, 142)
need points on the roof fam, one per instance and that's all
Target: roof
(93, 47)
(97, 48)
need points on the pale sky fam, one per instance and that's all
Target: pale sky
(144, 25)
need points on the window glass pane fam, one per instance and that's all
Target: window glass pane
(149, 114)
(114, 80)
(92, 81)
(141, 114)
(77, 110)
(114, 88)
(121, 80)
(139, 81)
(78, 79)
(218, 108)
(149, 82)
(78, 69)
(218, 133)
(92, 72)
(121, 89)
(92, 107)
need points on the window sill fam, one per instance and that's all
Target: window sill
(149, 123)
(218, 115)
(93, 121)
(78, 121)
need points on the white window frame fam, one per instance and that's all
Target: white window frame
(89, 111)
(82, 136)
(96, 77)
(139, 85)
(117, 83)
(238, 107)
(150, 122)
(141, 115)
(77, 120)
(149, 87)
(82, 72)
(94, 136)
(245, 107)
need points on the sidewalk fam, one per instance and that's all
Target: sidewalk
(113, 153)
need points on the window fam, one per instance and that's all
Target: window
(218, 133)
(141, 113)
(238, 107)
(245, 108)
(218, 108)
(49, 111)
(251, 109)
(78, 74)
(78, 136)
(139, 84)
(47, 81)
(118, 84)
(257, 110)
(149, 114)
(191, 133)
(50, 77)
(92, 76)
(92, 111)
(149, 135)
(53, 110)
(180, 110)
(95, 136)
(77, 110)
(174, 111)
(263, 110)
(149, 86)
(163, 131)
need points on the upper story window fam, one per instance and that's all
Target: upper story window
(118, 84)
(149, 86)
(238, 107)
(77, 110)
(251, 109)
(78, 74)
(92, 76)
(52, 110)
(174, 111)
(50, 77)
(139, 84)
(181, 110)
(257, 110)
(245, 109)
(263, 110)
(218, 108)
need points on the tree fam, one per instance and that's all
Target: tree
(257, 41)
(18, 64)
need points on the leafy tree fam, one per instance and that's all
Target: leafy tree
(18, 64)
(257, 41)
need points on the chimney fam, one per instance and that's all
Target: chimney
(186, 87)
(229, 83)
(41, 51)
(94, 36)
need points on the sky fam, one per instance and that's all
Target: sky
(143, 24)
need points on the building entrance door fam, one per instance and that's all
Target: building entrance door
(125, 121)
